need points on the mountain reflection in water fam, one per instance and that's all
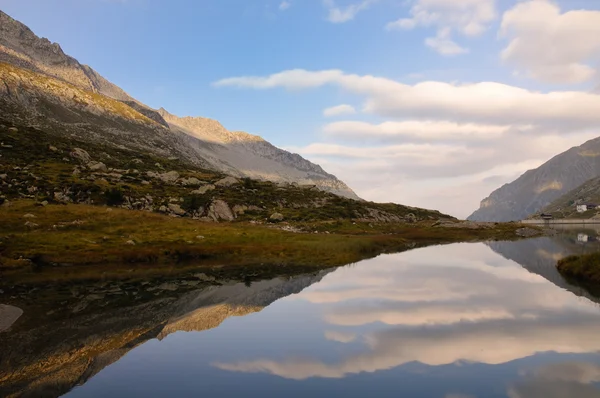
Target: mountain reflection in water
(462, 320)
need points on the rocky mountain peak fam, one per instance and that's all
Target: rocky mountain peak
(198, 140)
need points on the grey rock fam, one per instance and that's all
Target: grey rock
(219, 210)
(29, 215)
(13, 130)
(31, 225)
(52, 148)
(227, 182)
(176, 209)
(130, 243)
(81, 155)
(203, 190)
(62, 197)
(276, 217)
(97, 166)
(411, 218)
(169, 177)
(192, 181)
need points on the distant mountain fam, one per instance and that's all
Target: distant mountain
(47, 89)
(538, 188)
(566, 205)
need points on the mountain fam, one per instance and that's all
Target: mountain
(539, 187)
(45, 88)
(566, 205)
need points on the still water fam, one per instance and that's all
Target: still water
(464, 320)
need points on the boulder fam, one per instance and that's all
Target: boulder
(192, 181)
(97, 166)
(276, 217)
(219, 210)
(176, 209)
(31, 225)
(52, 148)
(410, 218)
(13, 130)
(168, 177)
(81, 155)
(239, 209)
(227, 182)
(62, 197)
(203, 190)
(130, 243)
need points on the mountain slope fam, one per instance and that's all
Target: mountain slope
(45, 88)
(537, 188)
(566, 205)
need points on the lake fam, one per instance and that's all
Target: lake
(463, 320)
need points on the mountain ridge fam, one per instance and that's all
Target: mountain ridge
(537, 188)
(198, 140)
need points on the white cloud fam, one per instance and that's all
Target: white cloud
(467, 17)
(284, 5)
(549, 45)
(339, 110)
(443, 44)
(439, 142)
(416, 130)
(338, 14)
(485, 102)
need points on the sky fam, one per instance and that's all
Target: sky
(429, 103)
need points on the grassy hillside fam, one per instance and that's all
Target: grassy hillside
(566, 205)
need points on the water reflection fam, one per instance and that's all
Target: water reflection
(463, 320)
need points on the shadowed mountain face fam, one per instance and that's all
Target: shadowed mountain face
(45, 355)
(539, 187)
(47, 89)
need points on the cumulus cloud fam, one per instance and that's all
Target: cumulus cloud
(467, 17)
(443, 44)
(341, 14)
(416, 130)
(438, 141)
(339, 110)
(551, 46)
(485, 102)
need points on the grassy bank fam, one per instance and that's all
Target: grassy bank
(78, 239)
(585, 268)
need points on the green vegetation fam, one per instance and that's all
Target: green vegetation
(585, 268)
(86, 238)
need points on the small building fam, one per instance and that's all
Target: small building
(545, 216)
(581, 208)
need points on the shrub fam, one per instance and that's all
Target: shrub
(114, 197)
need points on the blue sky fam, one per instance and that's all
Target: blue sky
(170, 54)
